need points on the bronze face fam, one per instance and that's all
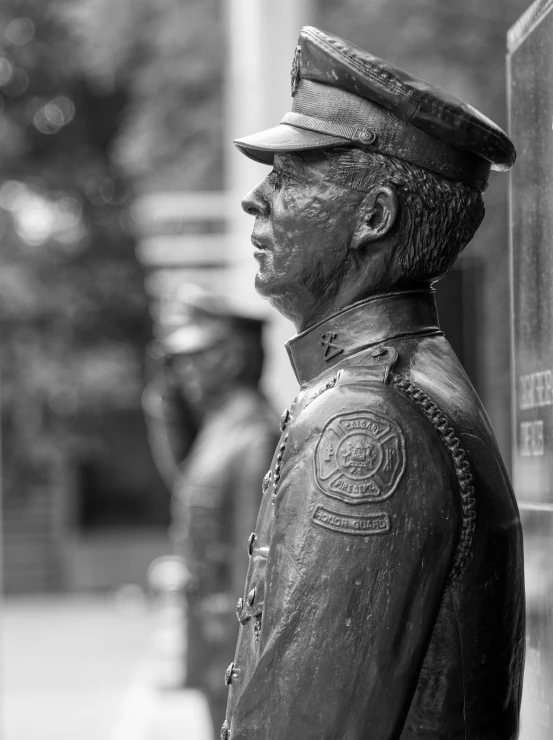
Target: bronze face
(304, 223)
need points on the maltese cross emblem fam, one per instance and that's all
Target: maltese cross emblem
(360, 457)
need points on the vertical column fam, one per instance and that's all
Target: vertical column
(529, 63)
(261, 40)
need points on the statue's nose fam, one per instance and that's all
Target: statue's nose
(254, 202)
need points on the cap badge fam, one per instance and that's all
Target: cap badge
(367, 136)
(295, 71)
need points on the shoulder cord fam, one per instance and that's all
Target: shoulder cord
(460, 463)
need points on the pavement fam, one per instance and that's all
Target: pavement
(84, 668)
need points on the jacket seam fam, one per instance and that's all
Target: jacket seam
(462, 661)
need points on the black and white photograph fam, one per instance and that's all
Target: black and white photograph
(276, 370)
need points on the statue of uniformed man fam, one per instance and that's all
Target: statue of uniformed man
(384, 597)
(216, 360)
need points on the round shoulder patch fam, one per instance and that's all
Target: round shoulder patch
(360, 457)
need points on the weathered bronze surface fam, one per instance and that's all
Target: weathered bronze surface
(384, 596)
(531, 114)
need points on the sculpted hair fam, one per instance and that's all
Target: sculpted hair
(438, 217)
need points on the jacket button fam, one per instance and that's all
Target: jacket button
(229, 673)
(250, 598)
(267, 481)
(239, 607)
(251, 540)
(367, 136)
(225, 732)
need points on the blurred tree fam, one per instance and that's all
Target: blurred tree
(73, 310)
(169, 57)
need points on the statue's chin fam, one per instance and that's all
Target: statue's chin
(280, 295)
(265, 286)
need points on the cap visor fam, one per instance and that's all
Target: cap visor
(261, 147)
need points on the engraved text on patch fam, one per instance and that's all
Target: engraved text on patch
(360, 457)
(361, 524)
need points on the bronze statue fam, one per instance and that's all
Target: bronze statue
(215, 358)
(384, 597)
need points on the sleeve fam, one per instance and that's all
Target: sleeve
(365, 529)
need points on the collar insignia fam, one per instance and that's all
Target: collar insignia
(330, 349)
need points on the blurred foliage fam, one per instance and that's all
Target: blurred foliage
(73, 311)
(169, 57)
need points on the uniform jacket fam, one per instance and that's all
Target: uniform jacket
(384, 597)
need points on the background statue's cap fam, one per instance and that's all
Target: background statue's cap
(206, 319)
(344, 96)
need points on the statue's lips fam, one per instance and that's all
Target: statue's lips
(259, 246)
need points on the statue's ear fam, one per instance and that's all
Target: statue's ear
(377, 216)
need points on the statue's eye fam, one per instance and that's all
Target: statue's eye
(280, 177)
(276, 178)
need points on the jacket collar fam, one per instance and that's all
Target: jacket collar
(361, 325)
